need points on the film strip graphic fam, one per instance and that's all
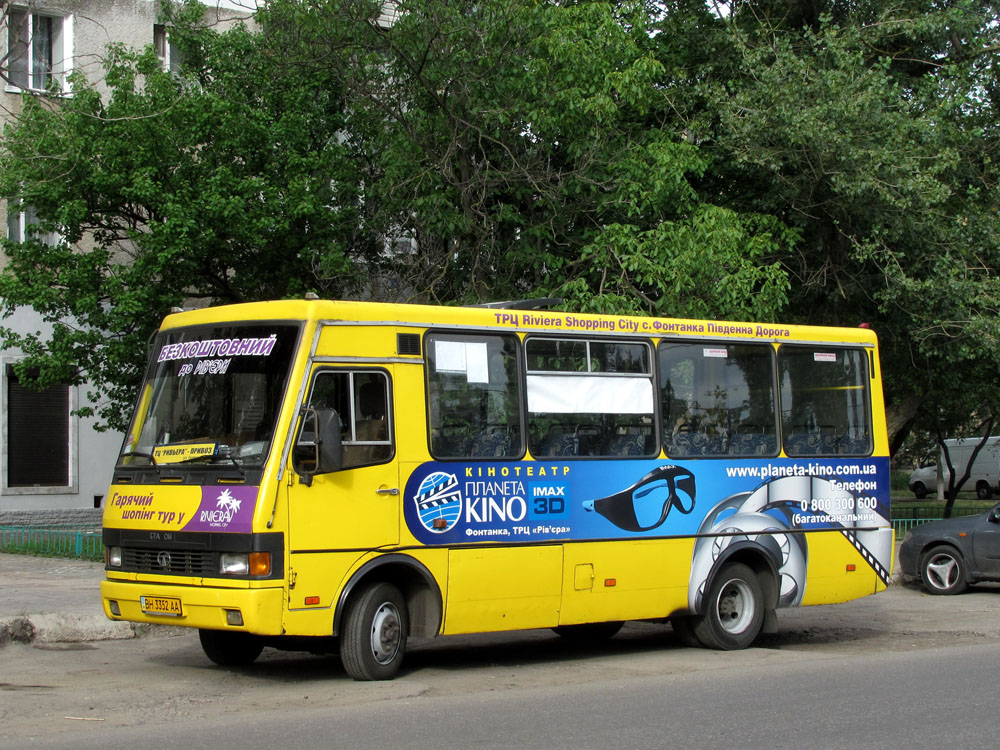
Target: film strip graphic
(866, 554)
(438, 489)
(787, 506)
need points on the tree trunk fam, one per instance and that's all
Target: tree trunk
(899, 418)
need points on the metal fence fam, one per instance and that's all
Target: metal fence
(906, 517)
(53, 541)
(87, 543)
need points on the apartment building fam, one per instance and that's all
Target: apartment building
(51, 459)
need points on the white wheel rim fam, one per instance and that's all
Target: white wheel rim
(735, 607)
(942, 571)
(386, 633)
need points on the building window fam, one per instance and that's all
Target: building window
(19, 221)
(166, 51)
(38, 435)
(39, 50)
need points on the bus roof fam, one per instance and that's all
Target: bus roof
(337, 312)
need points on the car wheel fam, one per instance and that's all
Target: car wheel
(984, 491)
(919, 490)
(230, 649)
(942, 570)
(373, 639)
(734, 610)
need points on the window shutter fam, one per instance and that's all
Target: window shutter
(37, 435)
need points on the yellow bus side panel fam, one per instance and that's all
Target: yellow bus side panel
(325, 574)
(828, 579)
(360, 341)
(503, 588)
(317, 575)
(625, 580)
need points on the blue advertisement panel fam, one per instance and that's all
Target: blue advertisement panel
(544, 501)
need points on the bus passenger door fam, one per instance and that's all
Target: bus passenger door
(343, 514)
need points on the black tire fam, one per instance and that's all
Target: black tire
(373, 636)
(942, 571)
(230, 648)
(588, 632)
(734, 610)
(683, 626)
(919, 490)
(984, 491)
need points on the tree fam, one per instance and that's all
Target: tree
(828, 161)
(512, 141)
(870, 129)
(528, 148)
(227, 184)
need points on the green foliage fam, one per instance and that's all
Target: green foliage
(823, 162)
(225, 185)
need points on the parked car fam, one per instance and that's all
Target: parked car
(924, 480)
(946, 556)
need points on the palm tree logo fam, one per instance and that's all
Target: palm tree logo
(228, 504)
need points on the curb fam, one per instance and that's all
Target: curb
(53, 628)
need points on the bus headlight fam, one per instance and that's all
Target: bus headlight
(113, 557)
(242, 563)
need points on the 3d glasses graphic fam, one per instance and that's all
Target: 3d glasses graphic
(647, 503)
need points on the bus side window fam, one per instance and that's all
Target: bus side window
(361, 400)
(473, 392)
(588, 397)
(825, 407)
(718, 399)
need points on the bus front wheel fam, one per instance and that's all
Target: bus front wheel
(373, 639)
(734, 611)
(230, 649)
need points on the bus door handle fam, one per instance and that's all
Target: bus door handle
(387, 491)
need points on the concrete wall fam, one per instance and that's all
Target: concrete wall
(95, 24)
(77, 518)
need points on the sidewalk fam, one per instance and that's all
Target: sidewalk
(54, 600)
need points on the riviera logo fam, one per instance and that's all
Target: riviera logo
(226, 508)
(439, 502)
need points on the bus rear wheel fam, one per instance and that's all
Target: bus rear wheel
(373, 638)
(734, 613)
(230, 649)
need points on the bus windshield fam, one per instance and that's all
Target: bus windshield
(211, 394)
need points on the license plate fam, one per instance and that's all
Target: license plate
(168, 606)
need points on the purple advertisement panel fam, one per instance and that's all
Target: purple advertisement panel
(224, 509)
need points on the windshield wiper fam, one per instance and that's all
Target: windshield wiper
(143, 454)
(212, 458)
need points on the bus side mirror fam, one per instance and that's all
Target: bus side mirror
(317, 448)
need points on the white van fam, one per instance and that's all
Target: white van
(985, 474)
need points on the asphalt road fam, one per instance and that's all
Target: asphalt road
(901, 669)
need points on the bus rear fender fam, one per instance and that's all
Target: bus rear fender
(762, 562)
(421, 591)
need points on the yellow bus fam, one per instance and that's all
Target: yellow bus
(322, 475)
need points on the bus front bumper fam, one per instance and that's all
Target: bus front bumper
(251, 610)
